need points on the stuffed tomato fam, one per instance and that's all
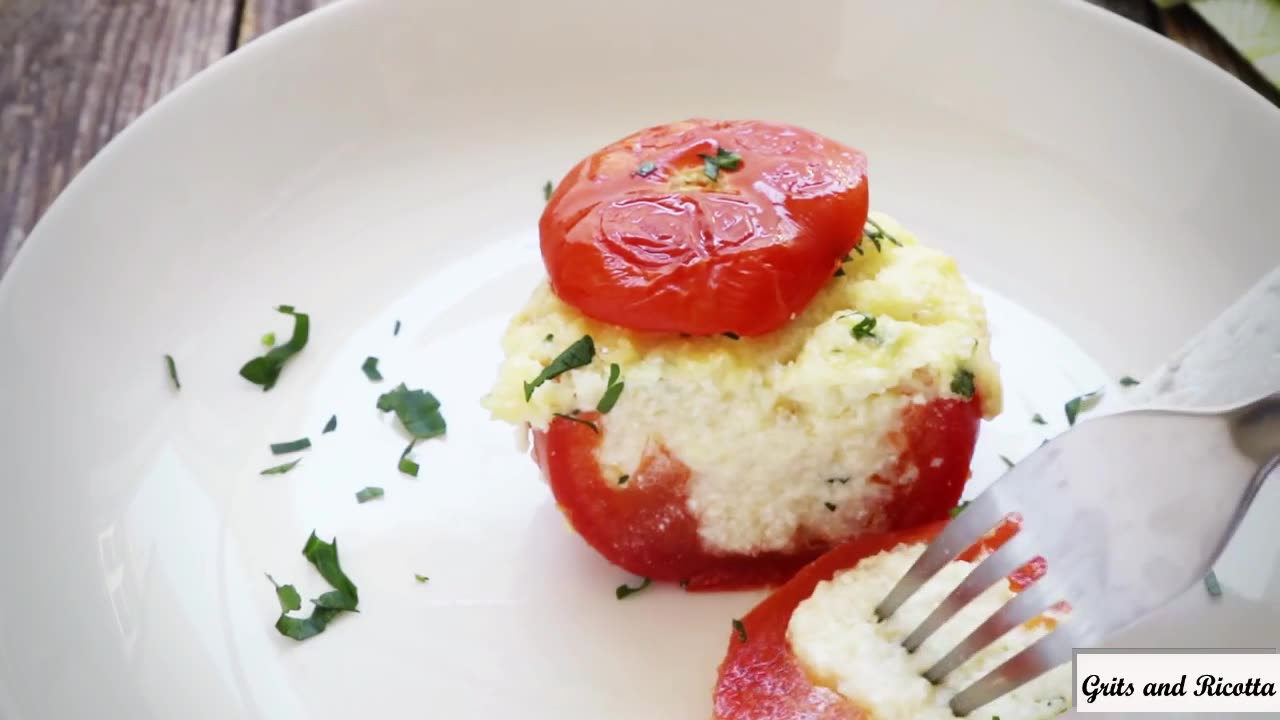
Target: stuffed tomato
(814, 650)
(731, 367)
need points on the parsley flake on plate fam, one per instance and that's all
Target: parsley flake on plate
(1081, 403)
(292, 446)
(547, 189)
(396, 330)
(1007, 461)
(281, 469)
(344, 596)
(1128, 381)
(1038, 419)
(420, 578)
(331, 425)
(1211, 584)
(959, 508)
(287, 596)
(265, 370)
(407, 465)
(370, 368)
(625, 591)
(740, 629)
(173, 372)
(369, 493)
(418, 411)
(580, 353)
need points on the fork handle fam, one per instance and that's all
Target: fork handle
(1235, 360)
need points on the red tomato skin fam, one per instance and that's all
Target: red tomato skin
(761, 679)
(662, 252)
(646, 528)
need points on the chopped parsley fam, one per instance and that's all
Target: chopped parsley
(269, 339)
(344, 596)
(722, 160)
(740, 629)
(1081, 403)
(173, 371)
(547, 189)
(580, 353)
(265, 370)
(646, 169)
(1007, 461)
(866, 328)
(281, 469)
(613, 389)
(418, 410)
(732, 335)
(331, 425)
(962, 383)
(1128, 381)
(1211, 584)
(292, 446)
(549, 337)
(370, 368)
(625, 591)
(396, 330)
(420, 578)
(623, 480)
(369, 493)
(1038, 419)
(959, 508)
(830, 506)
(839, 272)
(841, 480)
(877, 234)
(287, 596)
(579, 420)
(407, 465)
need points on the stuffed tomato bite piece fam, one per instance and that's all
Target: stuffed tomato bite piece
(815, 650)
(732, 367)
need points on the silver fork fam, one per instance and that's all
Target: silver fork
(1127, 510)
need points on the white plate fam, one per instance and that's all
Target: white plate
(384, 160)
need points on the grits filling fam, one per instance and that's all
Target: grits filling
(835, 635)
(764, 422)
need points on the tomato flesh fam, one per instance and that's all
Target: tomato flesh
(645, 526)
(761, 678)
(640, 236)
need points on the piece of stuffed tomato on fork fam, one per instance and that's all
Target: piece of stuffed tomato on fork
(815, 649)
(732, 367)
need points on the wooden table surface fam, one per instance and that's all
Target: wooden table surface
(74, 72)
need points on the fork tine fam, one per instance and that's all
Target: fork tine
(961, 533)
(1041, 656)
(1029, 603)
(995, 567)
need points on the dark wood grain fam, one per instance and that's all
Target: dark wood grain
(259, 16)
(73, 73)
(1185, 26)
(1142, 12)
